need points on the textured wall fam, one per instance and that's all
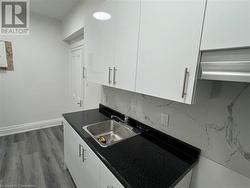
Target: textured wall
(218, 123)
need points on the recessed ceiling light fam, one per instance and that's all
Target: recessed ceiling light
(102, 16)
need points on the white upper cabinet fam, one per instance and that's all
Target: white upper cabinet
(100, 43)
(112, 44)
(170, 34)
(227, 24)
(127, 20)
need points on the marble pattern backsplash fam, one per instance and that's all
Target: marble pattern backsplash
(218, 122)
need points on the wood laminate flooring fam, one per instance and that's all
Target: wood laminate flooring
(34, 159)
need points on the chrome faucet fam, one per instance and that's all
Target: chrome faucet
(125, 121)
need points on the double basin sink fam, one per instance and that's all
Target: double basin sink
(109, 132)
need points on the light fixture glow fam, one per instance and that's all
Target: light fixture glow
(102, 16)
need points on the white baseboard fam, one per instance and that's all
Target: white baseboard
(30, 126)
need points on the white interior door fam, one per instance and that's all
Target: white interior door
(77, 78)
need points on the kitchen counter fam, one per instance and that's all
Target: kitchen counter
(150, 159)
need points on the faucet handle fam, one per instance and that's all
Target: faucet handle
(126, 119)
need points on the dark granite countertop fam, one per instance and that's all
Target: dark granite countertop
(150, 159)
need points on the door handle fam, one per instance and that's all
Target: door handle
(184, 89)
(114, 76)
(80, 103)
(109, 78)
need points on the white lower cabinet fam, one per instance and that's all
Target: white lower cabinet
(185, 182)
(108, 180)
(85, 167)
(71, 151)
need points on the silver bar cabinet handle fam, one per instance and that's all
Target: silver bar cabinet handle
(80, 150)
(184, 92)
(109, 79)
(114, 76)
(83, 72)
(83, 155)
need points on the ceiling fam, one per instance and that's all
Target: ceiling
(52, 8)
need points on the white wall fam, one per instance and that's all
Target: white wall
(74, 20)
(37, 89)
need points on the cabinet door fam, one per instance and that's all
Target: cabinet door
(170, 35)
(227, 24)
(100, 43)
(90, 175)
(127, 19)
(108, 180)
(185, 182)
(72, 153)
(82, 163)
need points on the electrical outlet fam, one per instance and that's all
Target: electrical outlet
(164, 120)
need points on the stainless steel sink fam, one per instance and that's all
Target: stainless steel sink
(109, 132)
